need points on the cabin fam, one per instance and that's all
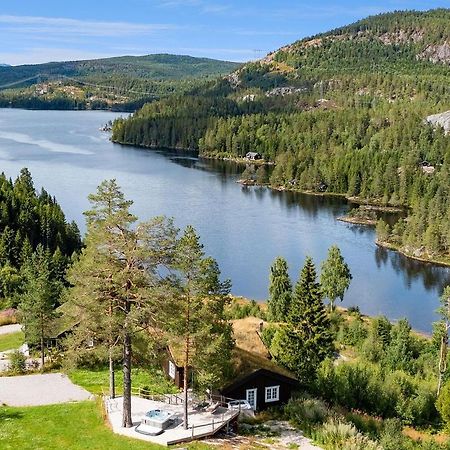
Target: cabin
(262, 383)
(253, 156)
(173, 368)
(256, 378)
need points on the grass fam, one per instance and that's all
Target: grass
(11, 341)
(94, 380)
(74, 426)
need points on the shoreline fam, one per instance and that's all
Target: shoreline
(396, 248)
(358, 221)
(369, 204)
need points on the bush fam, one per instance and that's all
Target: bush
(340, 435)
(443, 404)
(17, 362)
(335, 433)
(306, 411)
(354, 310)
(353, 333)
(240, 309)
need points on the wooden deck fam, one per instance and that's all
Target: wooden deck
(202, 424)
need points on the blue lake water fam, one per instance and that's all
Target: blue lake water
(243, 228)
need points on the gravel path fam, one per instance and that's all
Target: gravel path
(36, 390)
(6, 329)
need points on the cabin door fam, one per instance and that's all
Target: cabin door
(251, 397)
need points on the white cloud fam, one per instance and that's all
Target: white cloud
(66, 26)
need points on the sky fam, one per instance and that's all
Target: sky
(35, 31)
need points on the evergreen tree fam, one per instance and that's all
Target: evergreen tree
(280, 291)
(199, 319)
(39, 299)
(335, 276)
(117, 283)
(306, 340)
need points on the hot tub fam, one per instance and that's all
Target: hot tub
(155, 422)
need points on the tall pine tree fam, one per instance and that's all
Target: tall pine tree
(306, 339)
(280, 291)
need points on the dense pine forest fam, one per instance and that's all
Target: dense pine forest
(341, 112)
(31, 222)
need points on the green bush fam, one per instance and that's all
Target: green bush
(368, 388)
(17, 362)
(306, 411)
(335, 433)
(443, 404)
(353, 333)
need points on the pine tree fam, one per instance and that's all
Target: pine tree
(306, 339)
(335, 276)
(40, 297)
(117, 285)
(199, 319)
(280, 290)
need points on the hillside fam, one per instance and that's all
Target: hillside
(341, 112)
(103, 83)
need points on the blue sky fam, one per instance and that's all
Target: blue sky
(33, 31)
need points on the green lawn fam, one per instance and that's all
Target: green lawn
(74, 426)
(93, 380)
(11, 341)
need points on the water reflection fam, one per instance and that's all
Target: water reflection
(432, 276)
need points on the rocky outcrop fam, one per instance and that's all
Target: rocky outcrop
(442, 119)
(437, 53)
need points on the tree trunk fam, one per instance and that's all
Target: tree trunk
(112, 387)
(442, 359)
(42, 352)
(185, 383)
(126, 417)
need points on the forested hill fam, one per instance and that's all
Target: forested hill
(341, 112)
(101, 83)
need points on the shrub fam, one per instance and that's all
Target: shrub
(335, 433)
(17, 362)
(354, 310)
(353, 333)
(304, 411)
(443, 404)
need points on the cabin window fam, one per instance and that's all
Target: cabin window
(172, 370)
(272, 393)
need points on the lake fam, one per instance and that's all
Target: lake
(244, 228)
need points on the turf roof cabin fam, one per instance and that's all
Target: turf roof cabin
(256, 378)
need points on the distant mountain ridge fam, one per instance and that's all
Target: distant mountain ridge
(123, 82)
(156, 66)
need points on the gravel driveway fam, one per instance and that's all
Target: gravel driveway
(6, 329)
(35, 390)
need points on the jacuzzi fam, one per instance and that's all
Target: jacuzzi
(155, 421)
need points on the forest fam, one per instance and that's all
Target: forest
(31, 222)
(342, 113)
(121, 83)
